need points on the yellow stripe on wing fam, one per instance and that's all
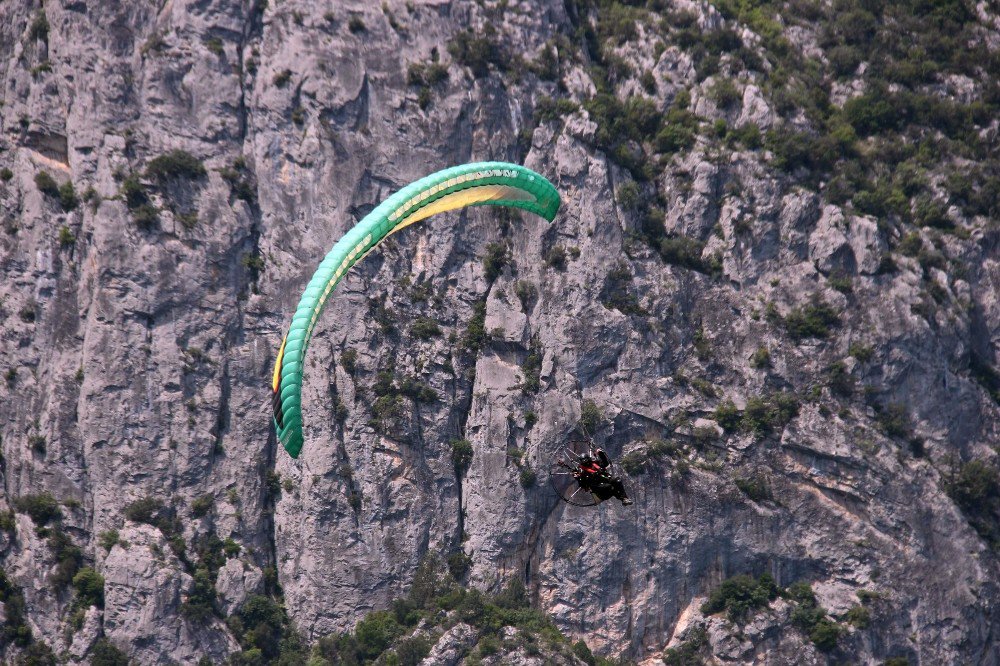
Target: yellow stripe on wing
(462, 198)
(276, 379)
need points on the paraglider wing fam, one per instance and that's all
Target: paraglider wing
(478, 184)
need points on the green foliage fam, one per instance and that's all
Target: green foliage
(839, 380)
(479, 52)
(525, 292)
(688, 653)
(725, 93)
(685, 252)
(39, 27)
(527, 477)
(41, 508)
(46, 184)
(8, 522)
(863, 353)
(66, 237)
(740, 595)
(146, 510)
(894, 420)
(202, 505)
(69, 558)
(548, 109)
(475, 336)
(67, 196)
(985, 375)
(15, 628)
(174, 165)
(6, 175)
(761, 358)
(108, 539)
(425, 328)
(556, 258)
(859, 616)
(616, 294)
(813, 320)
(386, 412)
(532, 368)
(975, 488)
(375, 633)
(349, 360)
(728, 416)
(496, 257)
(756, 487)
(105, 653)
(137, 201)
(459, 564)
(89, 586)
(461, 455)
(591, 417)
(811, 618)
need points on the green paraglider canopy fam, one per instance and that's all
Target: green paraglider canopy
(478, 184)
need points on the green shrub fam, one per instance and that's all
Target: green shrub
(146, 510)
(41, 508)
(755, 487)
(724, 93)
(6, 175)
(740, 595)
(761, 358)
(349, 360)
(68, 556)
(375, 633)
(496, 257)
(839, 379)
(425, 328)
(527, 477)
(824, 634)
(583, 653)
(813, 320)
(459, 564)
(214, 44)
(728, 416)
(616, 295)
(67, 196)
(475, 336)
(108, 539)
(479, 52)
(175, 164)
(548, 109)
(591, 417)
(687, 653)
(413, 650)
(684, 252)
(39, 27)
(525, 292)
(89, 586)
(202, 505)
(66, 237)
(556, 258)
(46, 184)
(426, 75)
(461, 455)
(859, 616)
(894, 420)
(199, 603)
(105, 653)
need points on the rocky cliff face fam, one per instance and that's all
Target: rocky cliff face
(771, 291)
